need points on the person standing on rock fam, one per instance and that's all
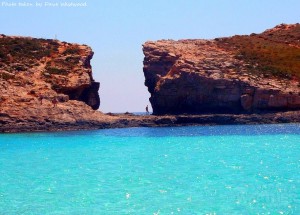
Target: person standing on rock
(147, 110)
(54, 102)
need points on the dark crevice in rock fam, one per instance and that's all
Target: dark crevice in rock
(87, 94)
(90, 95)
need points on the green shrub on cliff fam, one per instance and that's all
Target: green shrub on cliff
(2, 55)
(6, 76)
(22, 48)
(56, 71)
(72, 60)
(265, 56)
(72, 51)
(67, 63)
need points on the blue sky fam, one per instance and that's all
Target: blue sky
(116, 31)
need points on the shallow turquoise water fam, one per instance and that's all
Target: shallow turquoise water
(185, 170)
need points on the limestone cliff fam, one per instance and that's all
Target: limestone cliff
(44, 81)
(240, 74)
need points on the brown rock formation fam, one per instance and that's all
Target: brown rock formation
(227, 75)
(36, 72)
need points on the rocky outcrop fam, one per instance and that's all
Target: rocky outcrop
(47, 85)
(241, 74)
(44, 82)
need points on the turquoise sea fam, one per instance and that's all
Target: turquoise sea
(181, 170)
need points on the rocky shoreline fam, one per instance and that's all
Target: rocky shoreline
(109, 121)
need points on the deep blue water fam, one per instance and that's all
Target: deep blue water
(183, 170)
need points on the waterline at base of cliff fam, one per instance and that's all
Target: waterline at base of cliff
(105, 121)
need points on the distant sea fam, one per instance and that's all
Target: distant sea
(249, 169)
(136, 113)
(141, 113)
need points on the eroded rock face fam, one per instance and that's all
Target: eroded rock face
(208, 76)
(37, 73)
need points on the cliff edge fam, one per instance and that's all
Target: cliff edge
(44, 82)
(239, 74)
